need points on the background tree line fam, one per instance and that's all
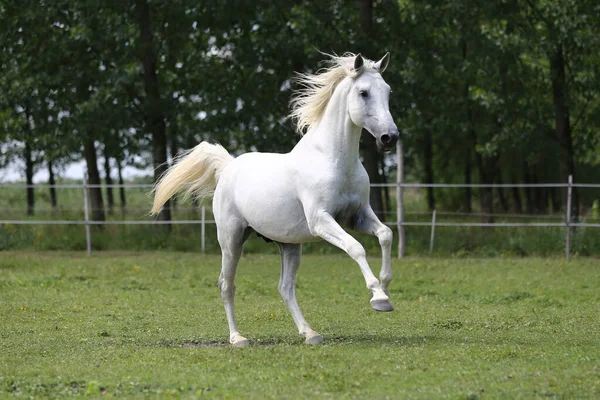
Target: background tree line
(488, 92)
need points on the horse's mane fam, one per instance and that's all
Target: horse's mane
(309, 102)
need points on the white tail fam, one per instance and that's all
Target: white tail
(196, 172)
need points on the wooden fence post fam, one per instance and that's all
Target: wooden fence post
(432, 233)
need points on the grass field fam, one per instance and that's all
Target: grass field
(152, 325)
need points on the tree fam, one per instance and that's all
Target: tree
(154, 115)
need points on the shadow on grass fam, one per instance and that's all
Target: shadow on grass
(344, 340)
(190, 343)
(209, 343)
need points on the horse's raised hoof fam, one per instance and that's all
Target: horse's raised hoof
(313, 339)
(240, 341)
(382, 305)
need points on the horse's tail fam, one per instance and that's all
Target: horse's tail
(195, 172)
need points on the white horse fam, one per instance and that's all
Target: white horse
(305, 195)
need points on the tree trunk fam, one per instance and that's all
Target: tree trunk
(501, 196)
(108, 180)
(468, 196)
(371, 155)
(563, 124)
(428, 167)
(543, 201)
(471, 136)
(516, 195)
(529, 199)
(91, 160)
(555, 199)
(29, 176)
(29, 167)
(485, 166)
(121, 188)
(516, 200)
(155, 121)
(52, 182)
(539, 196)
(486, 197)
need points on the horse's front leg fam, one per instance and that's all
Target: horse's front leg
(325, 226)
(367, 222)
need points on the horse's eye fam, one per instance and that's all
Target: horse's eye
(364, 94)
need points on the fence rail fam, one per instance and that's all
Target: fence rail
(390, 185)
(399, 223)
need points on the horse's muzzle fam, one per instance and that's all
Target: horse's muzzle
(387, 141)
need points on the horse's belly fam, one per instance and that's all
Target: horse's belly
(283, 219)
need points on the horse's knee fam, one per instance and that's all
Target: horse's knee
(385, 236)
(356, 251)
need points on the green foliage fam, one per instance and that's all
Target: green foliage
(152, 325)
(473, 81)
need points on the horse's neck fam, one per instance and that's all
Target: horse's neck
(336, 136)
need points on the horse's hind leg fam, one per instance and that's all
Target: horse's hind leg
(290, 261)
(231, 241)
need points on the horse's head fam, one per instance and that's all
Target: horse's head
(368, 103)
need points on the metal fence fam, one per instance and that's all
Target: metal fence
(400, 223)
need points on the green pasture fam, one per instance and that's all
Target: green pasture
(151, 324)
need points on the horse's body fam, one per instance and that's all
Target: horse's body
(270, 192)
(302, 196)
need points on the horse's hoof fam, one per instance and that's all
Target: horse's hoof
(383, 305)
(314, 339)
(240, 341)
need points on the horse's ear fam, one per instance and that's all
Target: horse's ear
(358, 62)
(382, 64)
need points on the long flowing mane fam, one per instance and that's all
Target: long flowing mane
(309, 102)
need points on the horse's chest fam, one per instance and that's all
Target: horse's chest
(346, 196)
(345, 206)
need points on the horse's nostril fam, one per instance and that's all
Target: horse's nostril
(386, 139)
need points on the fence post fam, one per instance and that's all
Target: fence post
(86, 212)
(203, 230)
(568, 222)
(432, 233)
(400, 201)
